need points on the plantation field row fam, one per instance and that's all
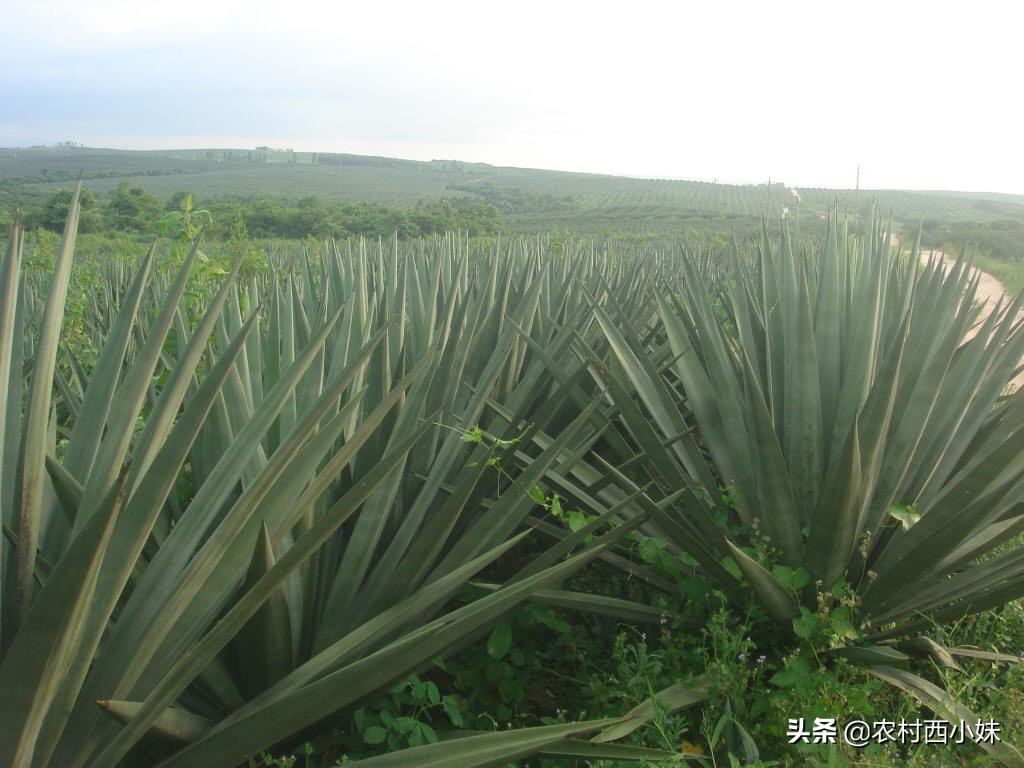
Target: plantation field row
(567, 200)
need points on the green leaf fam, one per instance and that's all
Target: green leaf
(33, 670)
(793, 579)
(927, 647)
(101, 392)
(537, 494)
(624, 610)
(451, 709)
(556, 507)
(190, 665)
(176, 724)
(427, 734)
(144, 624)
(806, 624)
(677, 696)
(734, 570)
(131, 394)
(484, 750)
(404, 725)
(264, 644)
(796, 672)
(946, 706)
(28, 491)
(906, 515)
(836, 517)
(284, 712)
(871, 655)
(131, 534)
(433, 694)
(511, 690)
(841, 624)
(499, 641)
(620, 752)
(777, 600)
(11, 299)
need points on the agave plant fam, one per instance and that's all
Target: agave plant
(258, 505)
(819, 424)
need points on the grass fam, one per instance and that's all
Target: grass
(1010, 274)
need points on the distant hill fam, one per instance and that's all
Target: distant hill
(529, 199)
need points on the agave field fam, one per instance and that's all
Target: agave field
(239, 507)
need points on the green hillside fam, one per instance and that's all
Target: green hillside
(528, 199)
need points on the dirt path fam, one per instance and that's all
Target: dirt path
(990, 291)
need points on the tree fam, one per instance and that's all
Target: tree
(132, 208)
(175, 200)
(54, 212)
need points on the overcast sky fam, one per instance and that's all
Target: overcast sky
(920, 95)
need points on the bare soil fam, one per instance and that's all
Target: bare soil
(990, 293)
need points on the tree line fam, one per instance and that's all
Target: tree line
(130, 208)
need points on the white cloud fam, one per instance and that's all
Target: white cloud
(919, 94)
